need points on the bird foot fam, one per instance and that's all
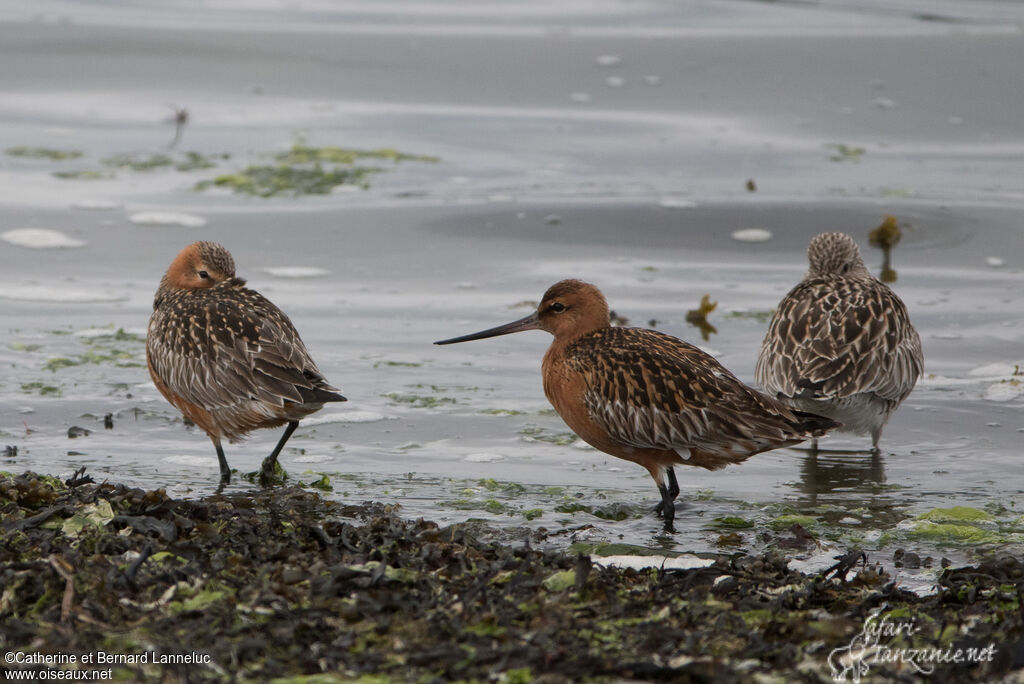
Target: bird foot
(271, 473)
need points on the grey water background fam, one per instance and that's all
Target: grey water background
(609, 141)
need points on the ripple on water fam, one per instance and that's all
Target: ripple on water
(40, 238)
(193, 461)
(96, 205)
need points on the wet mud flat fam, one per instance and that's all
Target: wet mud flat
(284, 584)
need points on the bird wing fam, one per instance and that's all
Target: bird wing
(651, 390)
(219, 347)
(834, 339)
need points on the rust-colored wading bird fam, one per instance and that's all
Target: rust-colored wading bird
(226, 357)
(841, 343)
(648, 397)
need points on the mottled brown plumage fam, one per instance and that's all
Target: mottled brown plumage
(226, 357)
(648, 397)
(841, 343)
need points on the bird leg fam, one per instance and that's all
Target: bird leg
(267, 470)
(672, 490)
(225, 470)
(669, 488)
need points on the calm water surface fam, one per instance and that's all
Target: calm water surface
(605, 141)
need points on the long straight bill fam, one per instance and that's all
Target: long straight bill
(529, 323)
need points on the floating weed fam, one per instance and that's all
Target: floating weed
(501, 412)
(761, 316)
(397, 364)
(25, 347)
(83, 174)
(57, 363)
(42, 388)
(194, 161)
(308, 170)
(784, 522)
(418, 400)
(731, 522)
(47, 153)
(271, 181)
(699, 317)
(300, 153)
(323, 483)
(139, 162)
(534, 433)
(533, 513)
(845, 152)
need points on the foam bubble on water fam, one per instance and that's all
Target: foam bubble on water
(615, 81)
(483, 458)
(39, 238)
(995, 261)
(676, 203)
(994, 370)
(296, 271)
(1003, 391)
(608, 60)
(344, 417)
(167, 218)
(686, 562)
(580, 444)
(95, 205)
(47, 293)
(580, 97)
(752, 235)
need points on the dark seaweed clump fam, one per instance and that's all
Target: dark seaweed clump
(283, 584)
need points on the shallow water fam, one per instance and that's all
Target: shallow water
(602, 141)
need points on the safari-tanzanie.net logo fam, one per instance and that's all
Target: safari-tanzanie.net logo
(874, 646)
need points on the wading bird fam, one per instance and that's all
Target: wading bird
(226, 357)
(648, 397)
(841, 343)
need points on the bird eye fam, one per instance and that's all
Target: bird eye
(846, 268)
(204, 275)
(558, 307)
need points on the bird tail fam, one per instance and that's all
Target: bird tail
(812, 425)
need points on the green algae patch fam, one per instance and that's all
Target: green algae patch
(323, 483)
(560, 581)
(289, 181)
(951, 533)
(300, 153)
(139, 162)
(307, 170)
(47, 153)
(534, 433)
(731, 522)
(418, 400)
(41, 388)
(845, 153)
(956, 514)
(83, 174)
(784, 522)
